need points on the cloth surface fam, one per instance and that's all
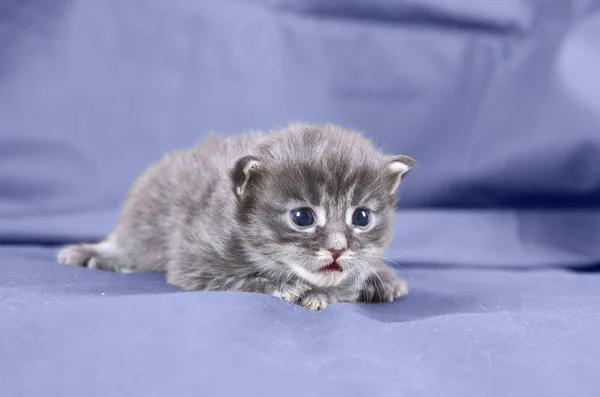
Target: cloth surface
(498, 102)
(71, 331)
(498, 227)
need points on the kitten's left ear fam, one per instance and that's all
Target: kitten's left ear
(398, 167)
(244, 170)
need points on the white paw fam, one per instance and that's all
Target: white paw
(291, 293)
(383, 289)
(73, 255)
(396, 289)
(314, 301)
(94, 263)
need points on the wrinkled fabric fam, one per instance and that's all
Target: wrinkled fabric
(497, 229)
(70, 331)
(498, 102)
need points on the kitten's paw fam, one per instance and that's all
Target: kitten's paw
(305, 296)
(315, 301)
(291, 293)
(383, 289)
(396, 290)
(75, 255)
(86, 255)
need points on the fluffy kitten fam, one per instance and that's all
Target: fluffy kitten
(303, 213)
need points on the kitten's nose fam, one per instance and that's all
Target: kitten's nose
(336, 244)
(336, 253)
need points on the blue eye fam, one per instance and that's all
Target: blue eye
(360, 217)
(303, 217)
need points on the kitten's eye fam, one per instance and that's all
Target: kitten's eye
(303, 217)
(360, 217)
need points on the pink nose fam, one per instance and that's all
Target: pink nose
(335, 253)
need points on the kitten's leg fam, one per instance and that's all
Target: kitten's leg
(382, 286)
(319, 298)
(105, 255)
(295, 291)
(315, 299)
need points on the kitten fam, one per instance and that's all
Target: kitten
(303, 213)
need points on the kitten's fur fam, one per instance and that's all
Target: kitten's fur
(216, 217)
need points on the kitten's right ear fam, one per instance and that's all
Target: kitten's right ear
(398, 166)
(244, 170)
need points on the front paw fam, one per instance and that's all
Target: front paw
(291, 293)
(305, 296)
(383, 288)
(315, 301)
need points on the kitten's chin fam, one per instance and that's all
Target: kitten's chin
(321, 279)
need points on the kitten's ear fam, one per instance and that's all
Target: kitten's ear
(243, 171)
(398, 167)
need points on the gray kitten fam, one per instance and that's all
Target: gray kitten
(303, 213)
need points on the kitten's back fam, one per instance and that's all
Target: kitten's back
(184, 184)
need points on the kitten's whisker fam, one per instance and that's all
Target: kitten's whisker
(393, 261)
(368, 265)
(357, 284)
(362, 270)
(289, 275)
(380, 259)
(283, 278)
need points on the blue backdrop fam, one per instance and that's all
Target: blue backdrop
(498, 100)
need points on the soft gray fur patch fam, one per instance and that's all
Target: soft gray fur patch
(217, 217)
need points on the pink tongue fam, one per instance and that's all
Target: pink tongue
(331, 268)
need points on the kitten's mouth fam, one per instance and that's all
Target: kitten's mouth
(332, 267)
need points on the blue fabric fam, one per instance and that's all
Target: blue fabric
(499, 101)
(71, 332)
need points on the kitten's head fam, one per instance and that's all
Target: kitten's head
(317, 202)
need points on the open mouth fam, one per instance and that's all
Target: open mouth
(332, 267)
